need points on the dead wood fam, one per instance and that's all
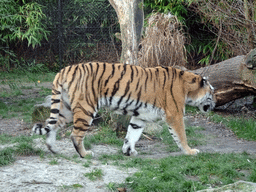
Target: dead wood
(233, 78)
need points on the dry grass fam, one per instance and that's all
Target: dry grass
(163, 43)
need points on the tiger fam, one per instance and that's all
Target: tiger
(146, 94)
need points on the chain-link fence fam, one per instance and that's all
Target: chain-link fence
(80, 30)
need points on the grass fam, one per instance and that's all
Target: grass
(19, 108)
(22, 145)
(15, 78)
(54, 162)
(176, 172)
(105, 135)
(7, 155)
(194, 138)
(94, 174)
(16, 100)
(71, 187)
(244, 128)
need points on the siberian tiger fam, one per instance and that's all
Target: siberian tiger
(146, 94)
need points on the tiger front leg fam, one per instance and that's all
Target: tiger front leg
(134, 132)
(81, 125)
(177, 130)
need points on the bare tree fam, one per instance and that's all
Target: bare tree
(131, 17)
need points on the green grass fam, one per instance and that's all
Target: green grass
(54, 162)
(94, 174)
(176, 172)
(105, 135)
(70, 187)
(18, 77)
(22, 108)
(194, 138)
(243, 127)
(23, 146)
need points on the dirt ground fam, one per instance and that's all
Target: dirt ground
(33, 173)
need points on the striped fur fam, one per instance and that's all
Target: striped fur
(147, 94)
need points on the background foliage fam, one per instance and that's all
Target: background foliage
(48, 33)
(215, 30)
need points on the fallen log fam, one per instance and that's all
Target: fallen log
(233, 78)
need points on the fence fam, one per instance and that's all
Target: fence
(80, 31)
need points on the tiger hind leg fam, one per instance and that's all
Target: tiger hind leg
(53, 124)
(82, 122)
(134, 132)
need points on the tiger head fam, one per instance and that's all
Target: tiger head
(200, 93)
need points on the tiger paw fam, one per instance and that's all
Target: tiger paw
(52, 148)
(193, 152)
(88, 153)
(133, 153)
(128, 152)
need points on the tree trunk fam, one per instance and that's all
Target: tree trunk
(233, 78)
(130, 16)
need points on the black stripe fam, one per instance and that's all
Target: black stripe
(97, 68)
(40, 131)
(138, 96)
(55, 101)
(166, 68)
(137, 86)
(91, 68)
(73, 77)
(54, 111)
(69, 69)
(128, 98)
(164, 79)
(113, 70)
(117, 83)
(127, 105)
(47, 129)
(151, 75)
(79, 128)
(85, 123)
(135, 126)
(137, 70)
(66, 105)
(62, 116)
(135, 111)
(112, 74)
(88, 113)
(55, 92)
(154, 104)
(52, 122)
(104, 69)
(125, 93)
(132, 73)
(173, 77)
(146, 81)
(157, 73)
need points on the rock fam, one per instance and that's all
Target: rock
(42, 111)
